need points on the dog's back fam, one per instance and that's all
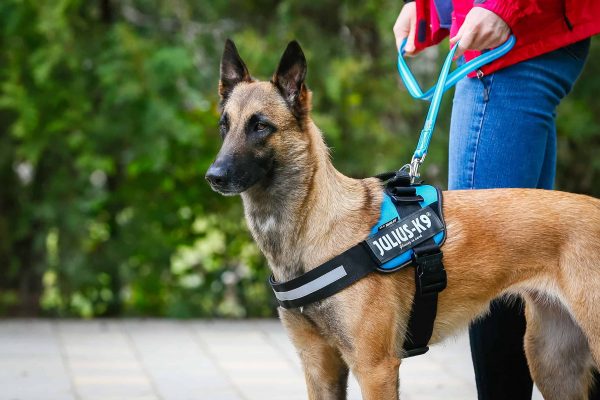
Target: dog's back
(544, 245)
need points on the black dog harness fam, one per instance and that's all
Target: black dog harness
(410, 231)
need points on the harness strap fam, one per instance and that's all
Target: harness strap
(325, 280)
(430, 279)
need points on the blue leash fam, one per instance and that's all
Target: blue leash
(435, 93)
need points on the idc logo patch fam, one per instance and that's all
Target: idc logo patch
(400, 236)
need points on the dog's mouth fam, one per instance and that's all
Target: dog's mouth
(227, 191)
(231, 186)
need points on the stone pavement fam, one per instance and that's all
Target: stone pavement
(181, 360)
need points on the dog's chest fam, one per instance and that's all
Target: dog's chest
(326, 316)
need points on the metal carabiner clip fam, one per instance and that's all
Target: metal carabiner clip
(414, 165)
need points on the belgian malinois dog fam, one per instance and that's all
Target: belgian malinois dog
(542, 245)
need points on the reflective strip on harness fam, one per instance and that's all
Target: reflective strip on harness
(312, 286)
(322, 282)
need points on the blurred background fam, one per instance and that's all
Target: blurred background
(108, 122)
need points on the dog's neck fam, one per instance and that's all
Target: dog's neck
(309, 212)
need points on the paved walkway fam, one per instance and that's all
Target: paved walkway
(181, 360)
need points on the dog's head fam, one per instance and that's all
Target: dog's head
(262, 124)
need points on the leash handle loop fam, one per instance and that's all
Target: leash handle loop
(415, 90)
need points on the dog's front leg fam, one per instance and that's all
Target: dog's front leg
(325, 371)
(378, 378)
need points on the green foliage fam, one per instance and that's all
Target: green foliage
(108, 114)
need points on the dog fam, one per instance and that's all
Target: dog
(301, 211)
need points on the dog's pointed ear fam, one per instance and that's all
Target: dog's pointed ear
(233, 70)
(289, 79)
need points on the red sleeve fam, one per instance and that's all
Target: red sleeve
(511, 11)
(427, 31)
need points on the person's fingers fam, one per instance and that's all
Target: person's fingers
(458, 35)
(466, 42)
(410, 43)
(482, 29)
(401, 31)
(494, 40)
(480, 38)
(455, 39)
(488, 39)
(404, 27)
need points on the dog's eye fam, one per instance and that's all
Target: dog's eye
(258, 126)
(223, 127)
(261, 127)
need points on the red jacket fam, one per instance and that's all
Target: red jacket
(539, 26)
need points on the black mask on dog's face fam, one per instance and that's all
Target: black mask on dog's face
(245, 157)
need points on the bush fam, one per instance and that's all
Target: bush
(108, 114)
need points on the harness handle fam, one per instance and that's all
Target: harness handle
(435, 93)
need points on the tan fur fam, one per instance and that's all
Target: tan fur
(543, 244)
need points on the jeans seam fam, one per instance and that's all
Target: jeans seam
(479, 129)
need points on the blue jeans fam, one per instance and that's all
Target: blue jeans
(503, 134)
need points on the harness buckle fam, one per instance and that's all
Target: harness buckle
(430, 274)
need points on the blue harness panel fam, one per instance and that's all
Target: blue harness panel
(430, 196)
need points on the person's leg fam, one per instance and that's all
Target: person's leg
(548, 171)
(501, 370)
(595, 392)
(503, 135)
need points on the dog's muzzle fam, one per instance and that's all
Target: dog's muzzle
(217, 177)
(230, 176)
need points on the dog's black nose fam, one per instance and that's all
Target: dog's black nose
(216, 176)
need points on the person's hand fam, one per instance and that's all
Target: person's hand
(481, 30)
(405, 27)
